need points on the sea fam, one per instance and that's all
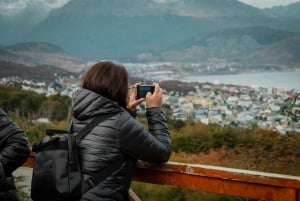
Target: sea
(282, 80)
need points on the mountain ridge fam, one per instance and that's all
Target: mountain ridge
(40, 53)
(39, 73)
(114, 30)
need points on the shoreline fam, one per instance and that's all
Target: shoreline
(287, 80)
(241, 73)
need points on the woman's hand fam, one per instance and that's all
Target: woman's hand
(132, 101)
(155, 99)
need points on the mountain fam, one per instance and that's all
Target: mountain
(149, 30)
(284, 53)
(100, 29)
(38, 73)
(123, 30)
(289, 11)
(134, 8)
(18, 17)
(40, 53)
(247, 46)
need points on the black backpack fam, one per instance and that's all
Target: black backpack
(56, 173)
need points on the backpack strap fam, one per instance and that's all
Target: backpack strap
(108, 170)
(91, 125)
(100, 176)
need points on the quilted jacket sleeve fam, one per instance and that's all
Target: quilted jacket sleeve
(14, 146)
(151, 146)
(2, 175)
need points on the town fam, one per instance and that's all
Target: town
(207, 103)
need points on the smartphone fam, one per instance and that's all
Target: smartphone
(143, 89)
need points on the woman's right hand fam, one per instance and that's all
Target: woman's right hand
(155, 99)
(132, 102)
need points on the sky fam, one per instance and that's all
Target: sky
(13, 7)
(256, 3)
(268, 3)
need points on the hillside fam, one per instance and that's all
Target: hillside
(282, 53)
(244, 158)
(248, 46)
(251, 149)
(39, 72)
(40, 53)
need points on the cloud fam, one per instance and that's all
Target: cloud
(167, 1)
(16, 7)
(8, 7)
(268, 3)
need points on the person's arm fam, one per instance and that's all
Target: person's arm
(14, 148)
(151, 146)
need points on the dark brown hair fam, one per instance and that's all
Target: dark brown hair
(108, 79)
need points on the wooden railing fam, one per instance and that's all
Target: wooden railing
(220, 180)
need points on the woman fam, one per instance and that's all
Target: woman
(120, 137)
(14, 150)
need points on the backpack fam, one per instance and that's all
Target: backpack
(56, 173)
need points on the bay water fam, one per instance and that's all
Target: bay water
(282, 80)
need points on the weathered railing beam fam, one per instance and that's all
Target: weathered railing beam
(227, 181)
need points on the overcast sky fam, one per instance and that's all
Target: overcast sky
(13, 7)
(268, 3)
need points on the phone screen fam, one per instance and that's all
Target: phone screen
(143, 89)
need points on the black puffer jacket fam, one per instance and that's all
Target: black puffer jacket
(120, 137)
(14, 150)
